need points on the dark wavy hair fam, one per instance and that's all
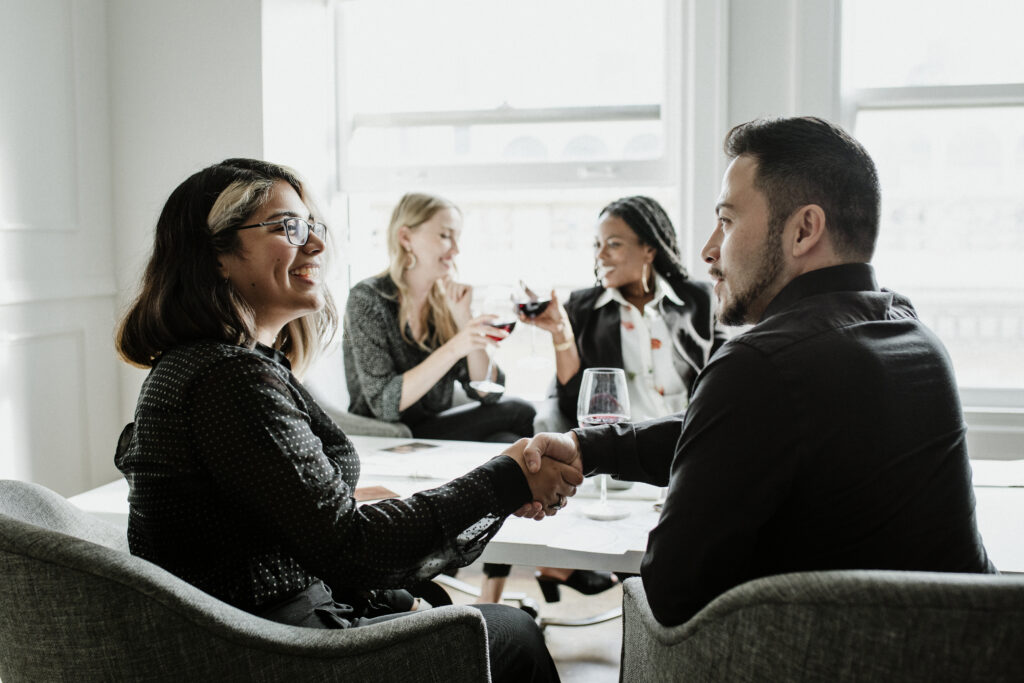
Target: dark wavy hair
(808, 160)
(183, 298)
(648, 220)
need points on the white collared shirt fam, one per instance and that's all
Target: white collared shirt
(655, 388)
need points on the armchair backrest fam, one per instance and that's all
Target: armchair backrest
(75, 605)
(849, 625)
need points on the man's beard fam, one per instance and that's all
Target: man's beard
(737, 310)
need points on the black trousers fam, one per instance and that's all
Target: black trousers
(503, 422)
(514, 641)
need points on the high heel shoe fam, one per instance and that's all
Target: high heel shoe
(582, 580)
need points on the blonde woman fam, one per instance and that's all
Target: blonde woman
(409, 336)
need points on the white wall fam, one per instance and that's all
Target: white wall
(58, 378)
(117, 102)
(186, 91)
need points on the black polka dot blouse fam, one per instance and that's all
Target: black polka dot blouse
(241, 485)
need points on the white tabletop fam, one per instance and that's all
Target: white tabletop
(572, 540)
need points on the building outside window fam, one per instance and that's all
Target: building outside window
(530, 115)
(936, 95)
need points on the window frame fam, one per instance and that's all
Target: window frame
(996, 415)
(662, 171)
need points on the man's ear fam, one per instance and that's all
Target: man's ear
(808, 223)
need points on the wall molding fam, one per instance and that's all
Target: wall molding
(20, 292)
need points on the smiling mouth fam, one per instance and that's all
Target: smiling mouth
(308, 272)
(602, 271)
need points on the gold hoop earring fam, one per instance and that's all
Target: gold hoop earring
(643, 279)
(412, 260)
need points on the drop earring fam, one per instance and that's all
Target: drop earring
(643, 279)
(412, 260)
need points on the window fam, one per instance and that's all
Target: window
(499, 93)
(937, 97)
(530, 115)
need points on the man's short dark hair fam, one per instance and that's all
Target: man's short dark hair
(808, 160)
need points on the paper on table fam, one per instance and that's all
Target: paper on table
(998, 472)
(442, 464)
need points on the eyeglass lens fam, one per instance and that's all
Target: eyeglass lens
(297, 231)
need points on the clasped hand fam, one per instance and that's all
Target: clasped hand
(553, 459)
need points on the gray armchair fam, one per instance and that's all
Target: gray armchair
(75, 605)
(326, 382)
(836, 626)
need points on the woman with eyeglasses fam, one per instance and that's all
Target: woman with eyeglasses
(239, 482)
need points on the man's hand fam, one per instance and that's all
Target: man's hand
(562, 447)
(551, 483)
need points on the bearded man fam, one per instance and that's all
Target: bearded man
(829, 435)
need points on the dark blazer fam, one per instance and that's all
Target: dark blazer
(695, 336)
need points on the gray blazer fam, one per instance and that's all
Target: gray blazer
(376, 356)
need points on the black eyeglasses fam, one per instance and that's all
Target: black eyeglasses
(295, 229)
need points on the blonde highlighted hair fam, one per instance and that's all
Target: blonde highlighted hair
(183, 298)
(437, 324)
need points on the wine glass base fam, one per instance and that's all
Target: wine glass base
(487, 387)
(604, 512)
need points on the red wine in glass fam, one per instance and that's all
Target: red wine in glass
(507, 325)
(531, 309)
(598, 420)
(486, 385)
(603, 400)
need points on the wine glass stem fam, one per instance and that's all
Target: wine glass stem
(604, 489)
(490, 366)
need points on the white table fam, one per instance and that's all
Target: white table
(572, 540)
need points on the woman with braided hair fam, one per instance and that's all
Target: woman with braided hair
(645, 315)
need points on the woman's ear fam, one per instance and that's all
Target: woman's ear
(649, 253)
(222, 269)
(404, 235)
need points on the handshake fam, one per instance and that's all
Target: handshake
(553, 468)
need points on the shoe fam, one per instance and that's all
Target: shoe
(582, 580)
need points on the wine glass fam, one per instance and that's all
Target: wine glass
(498, 303)
(603, 400)
(530, 304)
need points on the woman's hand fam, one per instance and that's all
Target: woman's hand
(553, 319)
(460, 300)
(475, 335)
(552, 482)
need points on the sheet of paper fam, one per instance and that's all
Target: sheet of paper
(406, 458)
(572, 530)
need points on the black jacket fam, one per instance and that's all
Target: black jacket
(695, 336)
